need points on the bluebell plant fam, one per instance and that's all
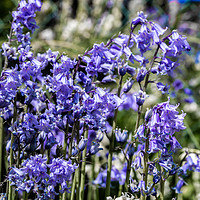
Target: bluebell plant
(57, 111)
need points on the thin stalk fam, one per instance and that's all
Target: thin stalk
(151, 65)
(146, 157)
(64, 196)
(128, 171)
(65, 141)
(96, 192)
(91, 191)
(77, 175)
(1, 146)
(71, 140)
(42, 148)
(162, 187)
(110, 155)
(146, 166)
(18, 155)
(82, 185)
(112, 141)
(25, 195)
(10, 191)
(48, 156)
(120, 190)
(73, 187)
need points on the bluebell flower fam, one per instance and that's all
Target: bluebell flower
(131, 70)
(148, 115)
(177, 44)
(9, 52)
(174, 144)
(100, 136)
(140, 97)
(82, 144)
(157, 30)
(141, 133)
(131, 149)
(116, 175)
(141, 74)
(143, 40)
(179, 185)
(164, 67)
(166, 120)
(129, 102)
(100, 180)
(142, 60)
(141, 19)
(141, 187)
(178, 84)
(122, 71)
(155, 145)
(188, 91)
(128, 85)
(156, 178)
(26, 12)
(163, 88)
(137, 163)
(99, 56)
(95, 148)
(26, 186)
(121, 136)
(189, 165)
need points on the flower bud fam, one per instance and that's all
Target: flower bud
(74, 151)
(128, 85)
(95, 148)
(148, 115)
(131, 149)
(122, 71)
(82, 144)
(156, 178)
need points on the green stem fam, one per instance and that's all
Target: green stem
(146, 166)
(65, 141)
(162, 187)
(82, 185)
(73, 187)
(77, 175)
(128, 171)
(1, 146)
(64, 196)
(146, 157)
(19, 152)
(48, 156)
(96, 192)
(10, 191)
(120, 190)
(151, 65)
(71, 140)
(112, 141)
(108, 180)
(91, 189)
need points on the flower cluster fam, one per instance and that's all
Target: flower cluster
(42, 178)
